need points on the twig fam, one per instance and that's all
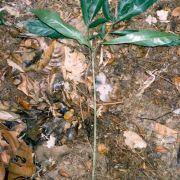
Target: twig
(82, 116)
(155, 119)
(110, 103)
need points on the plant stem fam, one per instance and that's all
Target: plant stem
(93, 58)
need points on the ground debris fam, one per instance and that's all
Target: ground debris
(46, 100)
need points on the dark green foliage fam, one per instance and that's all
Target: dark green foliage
(51, 25)
(1, 17)
(53, 20)
(41, 29)
(130, 8)
(147, 38)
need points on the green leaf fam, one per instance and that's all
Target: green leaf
(147, 38)
(129, 8)
(95, 7)
(53, 20)
(102, 31)
(41, 29)
(1, 17)
(124, 32)
(97, 22)
(107, 12)
(85, 5)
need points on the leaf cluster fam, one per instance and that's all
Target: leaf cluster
(50, 24)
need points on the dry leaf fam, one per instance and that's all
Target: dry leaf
(8, 116)
(24, 104)
(88, 164)
(177, 111)
(4, 105)
(29, 87)
(133, 140)
(89, 83)
(162, 15)
(28, 3)
(165, 131)
(64, 173)
(2, 171)
(102, 148)
(21, 168)
(151, 20)
(101, 109)
(12, 11)
(17, 58)
(5, 157)
(51, 141)
(21, 161)
(74, 65)
(147, 83)
(14, 65)
(177, 82)
(176, 11)
(46, 56)
(68, 115)
(103, 88)
(161, 149)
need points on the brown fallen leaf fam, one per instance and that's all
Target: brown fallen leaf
(64, 173)
(101, 110)
(161, 149)
(102, 148)
(23, 166)
(176, 12)
(74, 65)
(68, 115)
(103, 87)
(24, 104)
(133, 140)
(20, 162)
(8, 116)
(2, 171)
(30, 87)
(12, 11)
(177, 82)
(46, 56)
(14, 65)
(165, 131)
(17, 58)
(5, 157)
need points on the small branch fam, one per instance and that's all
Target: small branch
(156, 118)
(110, 103)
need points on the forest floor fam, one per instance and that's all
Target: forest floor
(51, 108)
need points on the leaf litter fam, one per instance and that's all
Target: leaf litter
(53, 85)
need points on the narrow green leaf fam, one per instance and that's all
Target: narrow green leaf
(102, 31)
(85, 5)
(106, 11)
(53, 20)
(129, 8)
(95, 7)
(147, 38)
(1, 17)
(97, 22)
(124, 32)
(41, 29)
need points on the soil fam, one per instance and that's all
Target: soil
(131, 109)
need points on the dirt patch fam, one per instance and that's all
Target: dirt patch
(145, 94)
